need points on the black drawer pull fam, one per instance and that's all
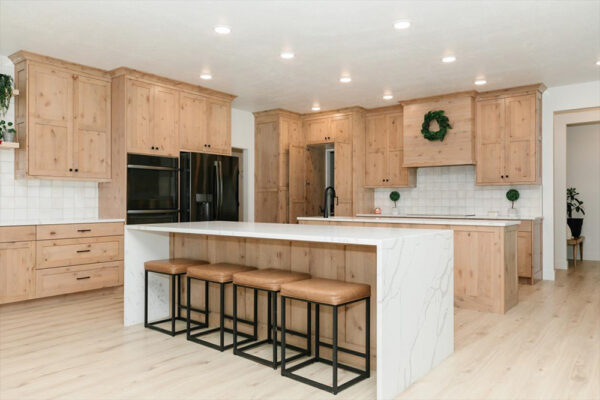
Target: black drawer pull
(84, 230)
(83, 251)
(82, 278)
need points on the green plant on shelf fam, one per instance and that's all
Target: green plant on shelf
(6, 127)
(512, 195)
(395, 196)
(6, 92)
(573, 203)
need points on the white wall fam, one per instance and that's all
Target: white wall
(242, 137)
(452, 190)
(583, 173)
(559, 98)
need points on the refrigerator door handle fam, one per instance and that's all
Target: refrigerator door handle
(220, 186)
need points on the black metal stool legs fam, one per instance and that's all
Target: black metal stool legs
(335, 349)
(175, 304)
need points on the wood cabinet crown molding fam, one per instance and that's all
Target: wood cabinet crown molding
(501, 93)
(23, 55)
(173, 83)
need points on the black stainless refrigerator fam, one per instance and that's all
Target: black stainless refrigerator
(209, 187)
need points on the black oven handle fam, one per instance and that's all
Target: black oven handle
(152, 211)
(135, 166)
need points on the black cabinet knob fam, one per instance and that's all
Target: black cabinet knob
(70, 169)
(76, 170)
(209, 145)
(506, 176)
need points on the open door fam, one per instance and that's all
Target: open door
(297, 182)
(343, 178)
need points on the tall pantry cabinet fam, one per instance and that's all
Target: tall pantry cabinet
(63, 119)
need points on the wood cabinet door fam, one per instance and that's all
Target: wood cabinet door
(50, 152)
(520, 154)
(318, 131)
(340, 128)
(192, 123)
(397, 175)
(343, 172)
(297, 180)
(490, 141)
(17, 274)
(266, 148)
(139, 110)
(92, 135)
(218, 130)
(165, 117)
(524, 254)
(376, 151)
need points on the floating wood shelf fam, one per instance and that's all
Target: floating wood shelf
(9, 145)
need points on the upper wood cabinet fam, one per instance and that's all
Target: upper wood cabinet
(218, 131)
(205, 124)
(509, 137)
(63, 117)
(152, 113)
(384, 151)
(318, 130)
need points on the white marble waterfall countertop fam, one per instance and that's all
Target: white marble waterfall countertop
(416, 221)
(307, 233)
(38, 221)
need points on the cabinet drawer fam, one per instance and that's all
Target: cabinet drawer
(54, 281)
(68, 231)
(58, 253)
(525, 226)
(17, 233)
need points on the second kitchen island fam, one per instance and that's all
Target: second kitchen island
(410, 272)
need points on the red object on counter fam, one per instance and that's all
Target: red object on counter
(378, 210)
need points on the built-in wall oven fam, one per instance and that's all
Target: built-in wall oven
(152, 189)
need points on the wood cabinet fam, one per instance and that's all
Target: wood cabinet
(529, 250)
(318, 130)
(152, 114)
(63, 117)
(458, 146)
(204, 125)
(17, 275)
(385, 149)
(273, 133)
(509, 137)
(46, 260)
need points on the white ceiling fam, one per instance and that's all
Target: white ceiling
(508, 42)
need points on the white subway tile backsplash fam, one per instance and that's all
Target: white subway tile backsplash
(452, 190)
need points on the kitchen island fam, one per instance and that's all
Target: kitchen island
(485, 256)
(410, 272)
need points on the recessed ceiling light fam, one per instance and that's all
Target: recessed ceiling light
(316, 108)
(345, 79)
(206, 76)
(480, 82)
(403, 24)
(449, 59)
(286, 55)
(222, 30)
(388, 96)
(598, 62)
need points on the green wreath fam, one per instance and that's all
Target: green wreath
(442, 121)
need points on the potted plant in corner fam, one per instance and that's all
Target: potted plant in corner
(6, 92)
(513, 195)
(395, 196)
(574, 204)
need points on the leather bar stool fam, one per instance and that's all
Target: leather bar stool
(268, 280)
(336, 294)
(221, 274)
(174, 268)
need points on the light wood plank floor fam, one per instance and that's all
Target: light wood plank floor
(75, 347)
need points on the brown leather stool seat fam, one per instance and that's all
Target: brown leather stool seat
(175, 267)
(172, 266)
(269, 279)
(220, 272)
(326, 291)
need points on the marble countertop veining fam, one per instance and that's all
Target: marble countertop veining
(37, 221)
(307, 233)
(482, 217)
(419, 221)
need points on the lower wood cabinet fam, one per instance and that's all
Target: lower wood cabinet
(17, 278)
(78, 259)
(529, 254)
(54, 281)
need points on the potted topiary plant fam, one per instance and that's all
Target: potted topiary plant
(513, 195)
(574, 205)
(7, 132)
(395, 196)
(6, 92)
